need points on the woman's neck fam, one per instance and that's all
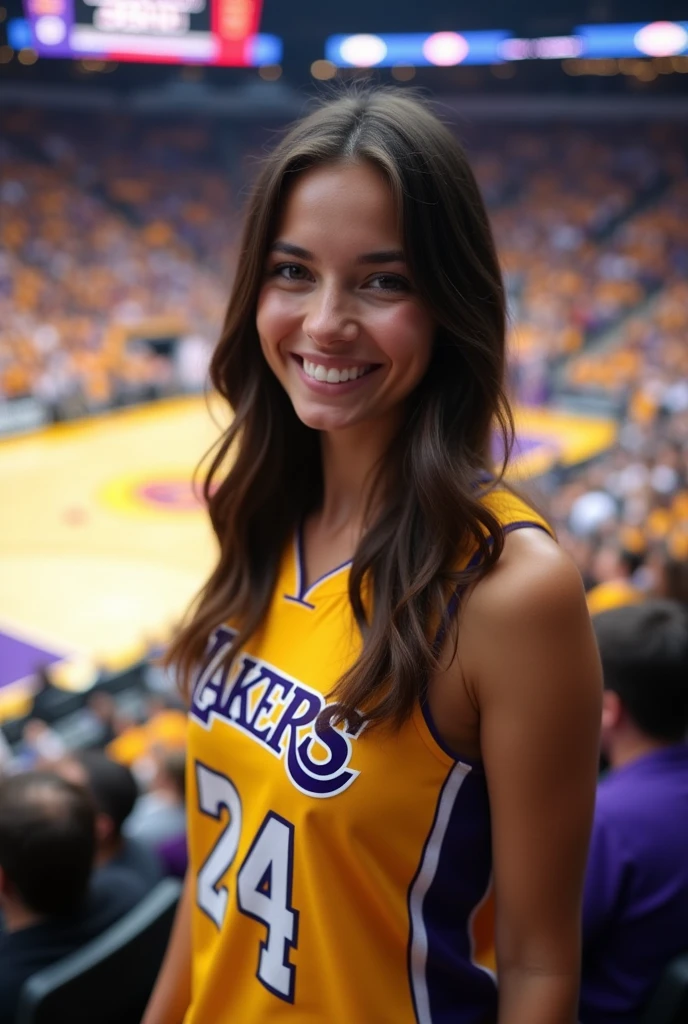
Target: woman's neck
(351, 460)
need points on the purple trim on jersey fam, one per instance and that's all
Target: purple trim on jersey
(453, 606)
(303, 592)
(524, 525)
(455, 599)
(451, 881)
(432, 728)
(297, 600)
(300, 562)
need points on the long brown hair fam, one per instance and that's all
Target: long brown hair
(430, 511)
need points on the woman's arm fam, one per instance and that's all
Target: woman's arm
(172, 993)
(530, 658)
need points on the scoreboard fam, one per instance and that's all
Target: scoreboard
(219, 32)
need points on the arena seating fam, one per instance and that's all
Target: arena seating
(67, 714)
(80, 276)
(111, 222)
(558, 236)
(133, 948)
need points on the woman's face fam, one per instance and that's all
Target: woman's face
(339, 321)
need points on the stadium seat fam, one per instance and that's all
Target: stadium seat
(110, 979)
(128, 679)
(669, 1004)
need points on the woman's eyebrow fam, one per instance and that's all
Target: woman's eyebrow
(384, 256)
(292, 250)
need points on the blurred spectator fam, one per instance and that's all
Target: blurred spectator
(102, 710)
(635, 917)
(159, 814)
(193, 360)
(591, 511)
(49, 902)
(41, 746)
(114, 792)
(165, 725)
(613, 568)
(47, 698)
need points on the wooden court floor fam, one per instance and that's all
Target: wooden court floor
(102, 544)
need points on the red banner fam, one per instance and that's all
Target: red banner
(234, 22)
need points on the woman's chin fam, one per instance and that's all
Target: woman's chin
(326, 420)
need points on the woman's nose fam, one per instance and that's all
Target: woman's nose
(329, 318)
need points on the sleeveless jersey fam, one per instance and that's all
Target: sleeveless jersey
(340, 876)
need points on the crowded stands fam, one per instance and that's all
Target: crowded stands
(117, 244)
(117, 229)
(82, 283)
(637, 494)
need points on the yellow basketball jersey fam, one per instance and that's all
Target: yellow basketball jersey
(340, 877)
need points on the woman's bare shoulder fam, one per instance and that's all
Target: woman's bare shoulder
(530, 606)
(533, 572)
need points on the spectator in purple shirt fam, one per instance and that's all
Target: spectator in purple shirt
(635, 916)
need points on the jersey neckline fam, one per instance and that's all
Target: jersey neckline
(305, 591)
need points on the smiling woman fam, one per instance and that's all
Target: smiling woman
(363, 756)
(343, 329)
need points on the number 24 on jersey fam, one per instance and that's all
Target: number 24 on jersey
(264, 880)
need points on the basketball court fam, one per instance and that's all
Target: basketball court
(103, 544)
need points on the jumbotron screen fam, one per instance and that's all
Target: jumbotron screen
(222, 32)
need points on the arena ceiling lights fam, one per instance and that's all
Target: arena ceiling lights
(417, 49)
(449, 49)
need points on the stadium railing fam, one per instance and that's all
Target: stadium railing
(66, 714)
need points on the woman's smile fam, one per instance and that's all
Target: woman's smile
(339, 321)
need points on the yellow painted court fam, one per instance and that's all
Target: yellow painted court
(102, 543)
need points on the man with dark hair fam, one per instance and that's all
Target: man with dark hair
(635, 917)
(49, 904)
(114, 791)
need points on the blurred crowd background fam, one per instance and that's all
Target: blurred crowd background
(118, 239)
(118, 244)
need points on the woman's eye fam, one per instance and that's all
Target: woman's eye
(389, 283)
(290, 272)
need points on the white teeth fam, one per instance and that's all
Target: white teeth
(332, 375)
